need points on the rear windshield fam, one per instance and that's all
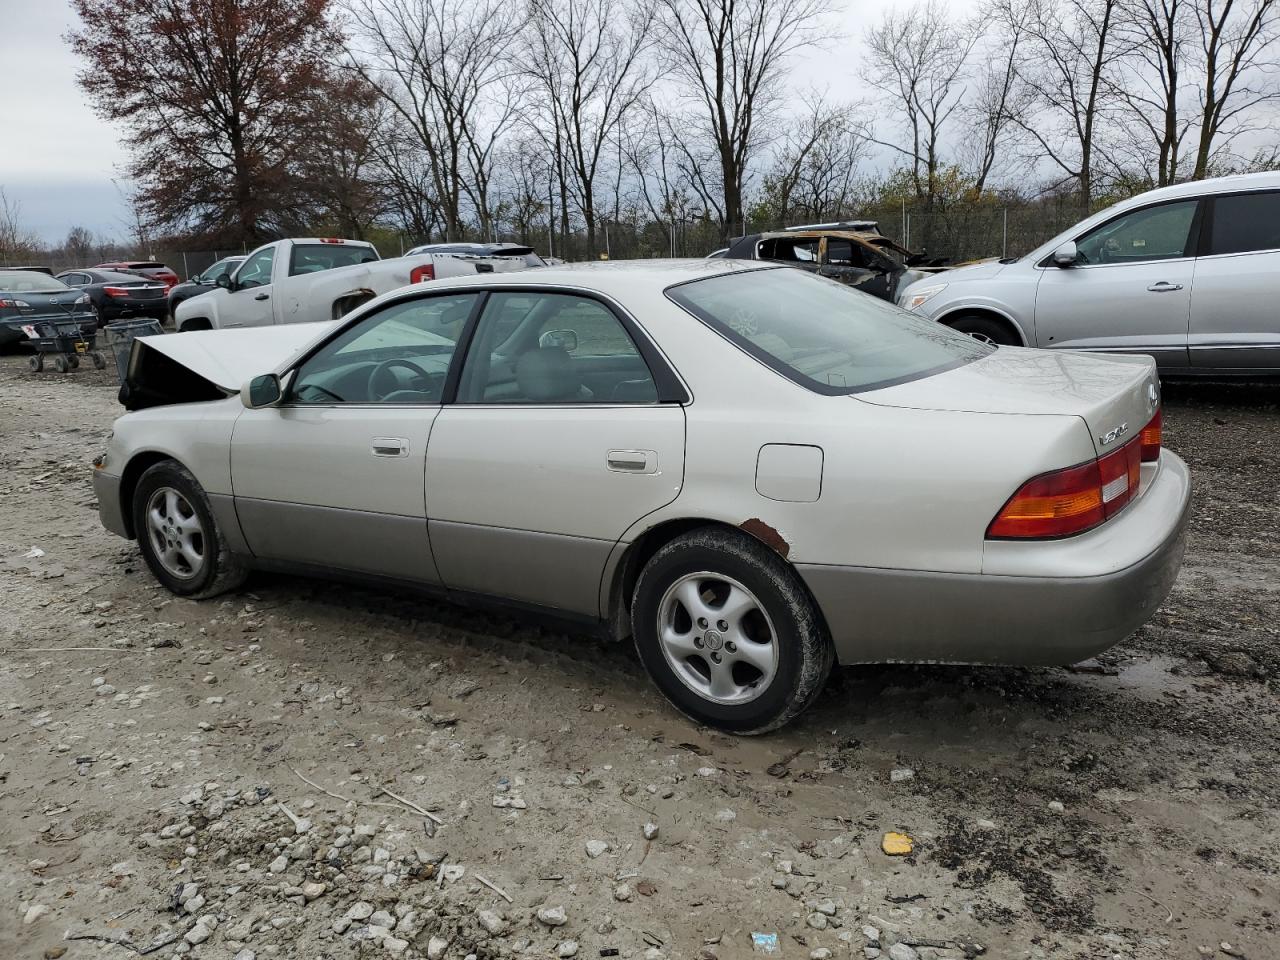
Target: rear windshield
(314, 257)
(821, 334)
(29, 281)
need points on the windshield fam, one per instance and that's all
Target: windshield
(29, 281)
(821, 334)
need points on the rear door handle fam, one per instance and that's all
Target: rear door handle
(390, 447)
(1164, 287)
(632, 461)
(263, 296)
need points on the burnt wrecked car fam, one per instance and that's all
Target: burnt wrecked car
(864, 259)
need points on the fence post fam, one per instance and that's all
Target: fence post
(1004, 239)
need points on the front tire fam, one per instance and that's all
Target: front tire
(178, 535)
(728, 633)
(986, 330)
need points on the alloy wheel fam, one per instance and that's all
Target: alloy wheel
(717, 638)
(177, 535)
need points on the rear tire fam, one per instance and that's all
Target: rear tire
(99, 361)
(35, 363)
(728, 633)
(60, 364)
(178, 535)
(986, 330)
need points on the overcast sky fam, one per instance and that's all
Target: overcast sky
(62, 164)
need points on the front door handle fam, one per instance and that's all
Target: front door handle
(1164, 287)
(390, 447)
(263, 296)
(632, 461)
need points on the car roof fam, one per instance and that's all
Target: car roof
(614, 277)
(1269, 180)
(107, 276)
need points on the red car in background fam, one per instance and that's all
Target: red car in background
(147, 268)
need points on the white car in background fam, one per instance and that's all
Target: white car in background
(321, 278)
(752, 471)
(1188, 274)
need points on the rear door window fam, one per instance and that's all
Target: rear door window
(316, 257)
(789, 249)
(1245, 223)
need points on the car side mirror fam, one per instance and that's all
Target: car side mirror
(1066, 255)
(224, 281)
(263, 391)
(566, 340)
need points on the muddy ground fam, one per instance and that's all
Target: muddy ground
(155, 753)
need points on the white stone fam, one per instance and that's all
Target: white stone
(552, 916)
(360, 910)
(436, 947)
(900, 951)
(650, 831)
(901, 774)
(34, 913)
(491, 922)
(279, 865)
(596, 847)
(566, 948)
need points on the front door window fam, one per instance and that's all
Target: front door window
(1162, 232)
(397, 355)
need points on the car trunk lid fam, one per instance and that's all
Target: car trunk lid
(1115, 395)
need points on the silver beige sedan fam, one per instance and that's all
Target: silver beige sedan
(752, 472)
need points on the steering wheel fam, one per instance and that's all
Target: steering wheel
(381, 371)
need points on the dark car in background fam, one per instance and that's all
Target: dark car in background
(119, 296)
(146, 268)
(202, 282)
(30, 295)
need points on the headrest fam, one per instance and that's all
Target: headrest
(546, 375)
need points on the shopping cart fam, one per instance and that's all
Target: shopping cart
(64, 340)
(120, 336)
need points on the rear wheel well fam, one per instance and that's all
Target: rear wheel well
(952, 319)
(133, 472)
(344, 305)
(637, 555)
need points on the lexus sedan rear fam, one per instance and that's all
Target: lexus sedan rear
(749, 471)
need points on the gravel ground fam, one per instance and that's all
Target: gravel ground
(316, 771)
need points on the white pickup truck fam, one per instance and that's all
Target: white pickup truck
(314, 279)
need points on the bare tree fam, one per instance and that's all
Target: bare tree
(729, 57)
(79, 245)
(443, 67)
(1071, 53)
(815, 163)
(16, 241)
(917, 55)
(655, 156)
(1238, 40)
(588, 61)
(996, 95)
(1153, 87)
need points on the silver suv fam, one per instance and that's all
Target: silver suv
(1189, 274)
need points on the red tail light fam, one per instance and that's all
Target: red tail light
(425, 272)
(117, 291)
(1151, 438)
(1077, 499)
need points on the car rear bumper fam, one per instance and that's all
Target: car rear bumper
(1060, 612)
(110, 509)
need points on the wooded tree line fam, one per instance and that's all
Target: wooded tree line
(596, 124)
